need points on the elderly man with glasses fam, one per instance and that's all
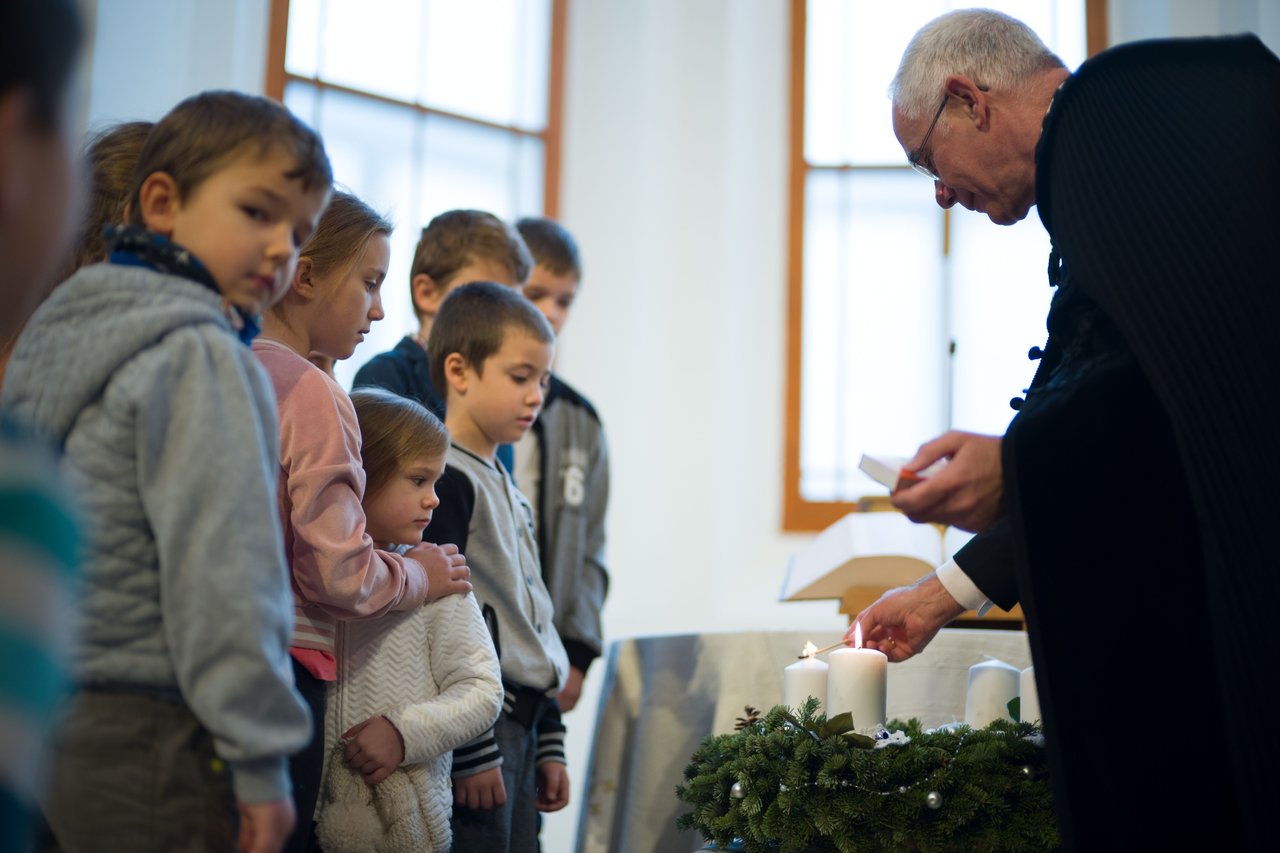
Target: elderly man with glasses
(1130, 505)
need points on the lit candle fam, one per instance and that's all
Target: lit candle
(804, 678)
(1029, 705)
(856, 683)
(992, 683)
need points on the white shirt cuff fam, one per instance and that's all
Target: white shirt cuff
(963, 590)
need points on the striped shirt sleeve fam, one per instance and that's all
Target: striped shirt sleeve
(38, 573)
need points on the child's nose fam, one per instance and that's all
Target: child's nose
(375, 309)
(281, 245)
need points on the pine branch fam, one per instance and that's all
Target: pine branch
(785, 782)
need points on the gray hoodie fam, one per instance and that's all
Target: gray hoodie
(168, 427)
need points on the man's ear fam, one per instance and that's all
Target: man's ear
(457, 372)
(427, 294)
(303, 282)
(159, 203)
(973, 99)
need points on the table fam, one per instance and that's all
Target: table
(663, 695)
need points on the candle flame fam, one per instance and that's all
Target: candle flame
(857, 635)
(809, 649)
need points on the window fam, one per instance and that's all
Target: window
(425, 106)
(904, 321)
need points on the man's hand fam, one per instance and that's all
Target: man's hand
(967, 493)
(572, 691)
(447, 570)
(553, 787)
(903, 621)
(482, 791)
(265, 827)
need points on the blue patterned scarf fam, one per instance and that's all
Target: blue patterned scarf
(135, 246)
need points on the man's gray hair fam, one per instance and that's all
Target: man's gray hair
(989, 47)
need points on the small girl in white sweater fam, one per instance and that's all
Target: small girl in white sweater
(411, 686)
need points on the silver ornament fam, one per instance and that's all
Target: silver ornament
(737, 791)
(933, 800)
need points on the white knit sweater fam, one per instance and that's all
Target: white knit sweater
(434, 674)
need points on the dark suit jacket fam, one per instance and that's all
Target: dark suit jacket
(1140, 470)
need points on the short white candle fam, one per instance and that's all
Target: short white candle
(856, 684)
(992, 683)
(1029, 704)
(804, 678)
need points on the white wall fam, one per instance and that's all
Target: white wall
(675, 183)
(675, 180)
(149, 54)
(1130, 20)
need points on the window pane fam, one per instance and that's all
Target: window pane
(372, 45)
(1000, 297)
(302, 47)
(873, 365)
(411, 167)
(372, 148)
(488, 59)
(851, 54)
(852, 51)
(468, 165)
(882, 303)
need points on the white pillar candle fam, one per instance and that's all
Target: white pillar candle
(1029, 704)
(992, 683)
(856, 683)
(802, 679)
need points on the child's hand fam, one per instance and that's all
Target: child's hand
(553, 787)
(447, 570)
(265, 827)
(482, 791)
(375, 748)
(568, 698)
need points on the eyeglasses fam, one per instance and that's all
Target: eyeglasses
(914, 158)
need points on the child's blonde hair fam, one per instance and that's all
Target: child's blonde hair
(111, 158)
(341, 234)
(394, 431)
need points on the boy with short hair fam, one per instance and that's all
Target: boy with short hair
(137, 368)
(562, 466)
(456, 247)
(490, 351)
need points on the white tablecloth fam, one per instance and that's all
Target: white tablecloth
(663, 695)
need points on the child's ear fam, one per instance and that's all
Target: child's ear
(303, 281)
(456, 372)
(159, 203)
(427, 294)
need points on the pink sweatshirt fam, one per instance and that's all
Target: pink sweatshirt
(337, 573)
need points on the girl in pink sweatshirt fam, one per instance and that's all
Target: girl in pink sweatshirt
(337, 572)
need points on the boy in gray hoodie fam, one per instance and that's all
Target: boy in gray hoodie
(138, 370)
